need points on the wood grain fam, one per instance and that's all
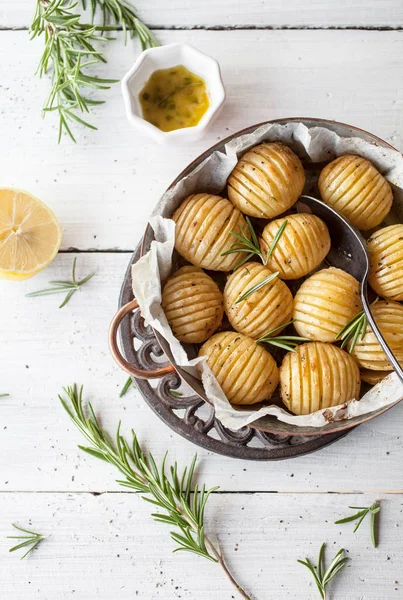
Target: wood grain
(257, 13)
(107, 546)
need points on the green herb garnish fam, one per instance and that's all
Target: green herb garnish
(122, 14)
(175, 394)
(352, 331)
(373, 510)
(4, 395)
(32, 540)
(69, 51)
(60, 287)
(257, 287)
(126, 387)
(251, 246)
(287, 342)
(322, 577)
(182, 507)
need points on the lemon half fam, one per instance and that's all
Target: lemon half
(30, 234)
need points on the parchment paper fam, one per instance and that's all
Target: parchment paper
(150, 273)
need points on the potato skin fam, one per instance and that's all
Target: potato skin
(202, 234)
(325, 303)
(318, 376)
(353, 186)
(266, 181)
(388, 316)
(263, 310)
(246, 372)
(302, 246)
(373, 377)
(193, 305)
(386, 255)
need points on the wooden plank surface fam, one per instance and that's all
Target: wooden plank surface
(47, 348)
(107, 546)
(258, 13)
(102, 188)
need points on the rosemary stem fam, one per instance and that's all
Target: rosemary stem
(220, 560)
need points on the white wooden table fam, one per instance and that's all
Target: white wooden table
(323, 58)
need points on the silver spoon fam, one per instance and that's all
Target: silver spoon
(349, 252)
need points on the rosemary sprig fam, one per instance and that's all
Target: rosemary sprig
(122, 13)
(352, 331)
(373, 510)
(4, 395)
(251, 246)
(126, 387)
(248, 244)
(60, 287)
(32, 540)
(181, 508)
(287, 342)
(257, 287)
(69, 49)
(322, 577)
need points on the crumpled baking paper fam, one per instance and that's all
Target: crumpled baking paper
(150, 273)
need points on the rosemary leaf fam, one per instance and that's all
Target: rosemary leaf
(275, 240)
(257, 287)
(286, 342)
(31, 540)
(321, 576)
(354, 330)
(183, 509)
(363, 511)
(4, 395)
(122, 13)
(60, 287)
(126, 387)
(175, 394)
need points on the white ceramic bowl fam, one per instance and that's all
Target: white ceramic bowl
(164, 57)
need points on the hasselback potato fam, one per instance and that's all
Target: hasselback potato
(388, 316)
(386, 255)
(193, 305)
(203, 231)
(354, 187)
(246, 372)
(325, 303)
(264, 309)
(317, 376)
(266, 181)
(301, 248)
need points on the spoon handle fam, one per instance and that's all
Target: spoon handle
(385, 347)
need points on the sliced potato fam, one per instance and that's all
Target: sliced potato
(325, 303)
(386, 254)
(193, 305)
(354, 187)
(266, 181)
(301, 248)
(388, 316)
(263, 310)
(318, 376)
(203, 231)
(246, 372)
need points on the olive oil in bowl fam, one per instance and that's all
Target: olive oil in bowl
(174, 98)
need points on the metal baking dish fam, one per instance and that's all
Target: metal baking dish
(268, 423)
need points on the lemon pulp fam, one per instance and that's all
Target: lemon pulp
(30, 234)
